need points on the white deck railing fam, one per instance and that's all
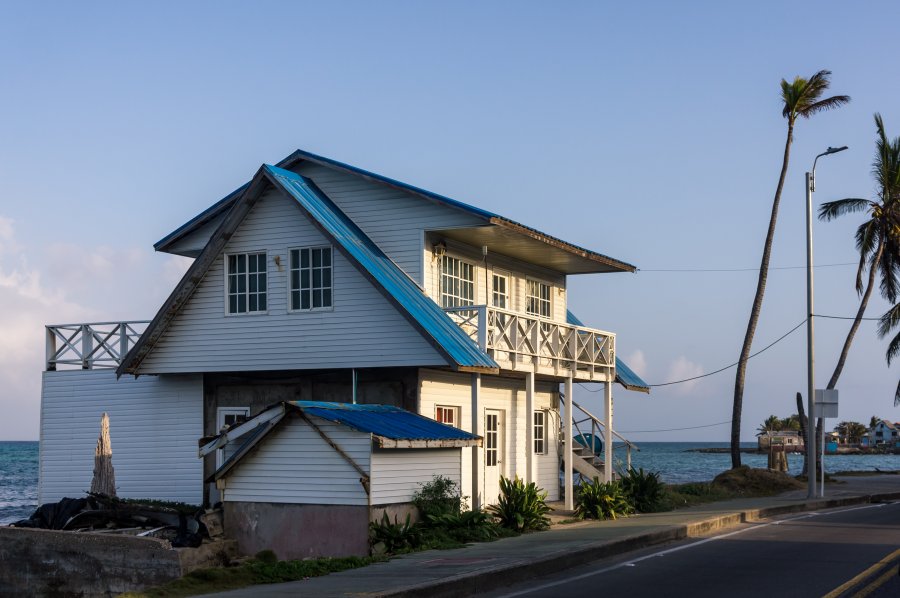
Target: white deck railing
(91, 346)
(523, 342)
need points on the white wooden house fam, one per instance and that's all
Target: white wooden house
(321, 281)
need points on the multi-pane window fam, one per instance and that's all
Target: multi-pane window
(447, 415)
(491, 439)
(537, 301)
(246, 283)
(500, 291)
(540, 432)
(311, 278)
(457, 282)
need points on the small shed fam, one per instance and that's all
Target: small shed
(305, 478)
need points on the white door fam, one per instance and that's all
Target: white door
(229, 416)
(494, 454)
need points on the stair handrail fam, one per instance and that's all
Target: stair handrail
(602, 425)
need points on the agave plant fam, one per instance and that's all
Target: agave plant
(644, 490)
(521, 506)
(601, 500)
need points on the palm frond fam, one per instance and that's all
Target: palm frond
(832, 209)
(897, 396)
(823, 105)
(890, 283)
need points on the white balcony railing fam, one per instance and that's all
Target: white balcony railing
(91, 346)
(524, 342)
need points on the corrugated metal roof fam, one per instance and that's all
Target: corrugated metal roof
(624, 374)
(490, 217)
(383, 420)
(449, 338)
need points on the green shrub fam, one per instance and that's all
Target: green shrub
(396, 536)
(468, 526)
(644, 490)
(601, 500)
(440, 496)
(521, 506)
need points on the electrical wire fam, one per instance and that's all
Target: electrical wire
(674, 429)
(743, 269)
(843, 317)
(749, 357)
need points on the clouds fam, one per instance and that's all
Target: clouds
(64, 283)
(681, 369)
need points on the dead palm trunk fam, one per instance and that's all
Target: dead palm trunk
(740, 377)
(104, 480)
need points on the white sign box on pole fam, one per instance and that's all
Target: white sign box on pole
(826, 403)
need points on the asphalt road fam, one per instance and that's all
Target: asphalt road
(853, 551)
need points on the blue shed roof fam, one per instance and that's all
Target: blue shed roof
(424, 313)
(624, 374)
(386, 421)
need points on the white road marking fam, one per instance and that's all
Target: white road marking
(632, 563)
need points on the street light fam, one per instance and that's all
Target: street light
(810, 349)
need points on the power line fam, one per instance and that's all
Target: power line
(766, 348)
(743, 269)
(843, 317)
(674, 429)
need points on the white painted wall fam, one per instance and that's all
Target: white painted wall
(398, 473)
(393, 218)
(293, 464)
(155, 423)
(506, 394)
(362, 330)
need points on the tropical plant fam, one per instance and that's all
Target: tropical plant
(469, 526)
(521, 506)
(888, 322)
(873, 421)
(771, 424)
(877, 239)
(800, 98)
(644, 490)
(601, 500)
(851, 431)
(440, 496)
(396, 536)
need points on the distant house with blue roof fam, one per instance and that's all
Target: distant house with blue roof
(320, 281)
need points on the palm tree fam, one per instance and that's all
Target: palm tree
(801, 98)
(889, 321)
(771, 424)
(878, 238)
(873, 421)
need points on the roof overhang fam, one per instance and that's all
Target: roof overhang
(392, 443)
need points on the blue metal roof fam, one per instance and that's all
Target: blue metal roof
(386, 421)
(447, 337)
(624, 374)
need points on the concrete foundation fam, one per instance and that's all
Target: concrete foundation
(295, 531)
(36, 562)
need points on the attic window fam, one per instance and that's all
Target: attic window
(246, 283)
(311, 283)
(457, 282)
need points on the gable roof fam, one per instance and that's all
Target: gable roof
(506, 226)
(624, 374)
(425, 315)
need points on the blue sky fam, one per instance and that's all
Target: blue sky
(651, 132)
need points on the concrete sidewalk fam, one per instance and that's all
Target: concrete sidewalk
(491, 565)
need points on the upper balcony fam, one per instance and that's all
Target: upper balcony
(101, 345)
(528, 343)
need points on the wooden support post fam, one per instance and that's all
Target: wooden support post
(477, 452)
(567, 430)
(51, 349)
(608, 441)
(530, 457)
(87, 346)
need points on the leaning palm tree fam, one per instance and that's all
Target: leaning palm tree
(800, 98)
(877, 239)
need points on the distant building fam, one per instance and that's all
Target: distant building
(884, 433)
(790, 439)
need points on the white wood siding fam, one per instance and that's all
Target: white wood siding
(293, 464)
(506, 394)
(518, 272)
(398, 474)
(393, 218)
(155, 423)
(363, 329)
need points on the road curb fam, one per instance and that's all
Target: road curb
(492, 578)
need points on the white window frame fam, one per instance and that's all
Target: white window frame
(312, 289)
(507, 295)
(455, 296)
(539, 432)
(540, 300)
(246, 293)
(448, 409)
(221, 414)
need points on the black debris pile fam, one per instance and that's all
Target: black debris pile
(101, 513)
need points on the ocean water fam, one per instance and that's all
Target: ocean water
(19, 468)
(18, 480)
